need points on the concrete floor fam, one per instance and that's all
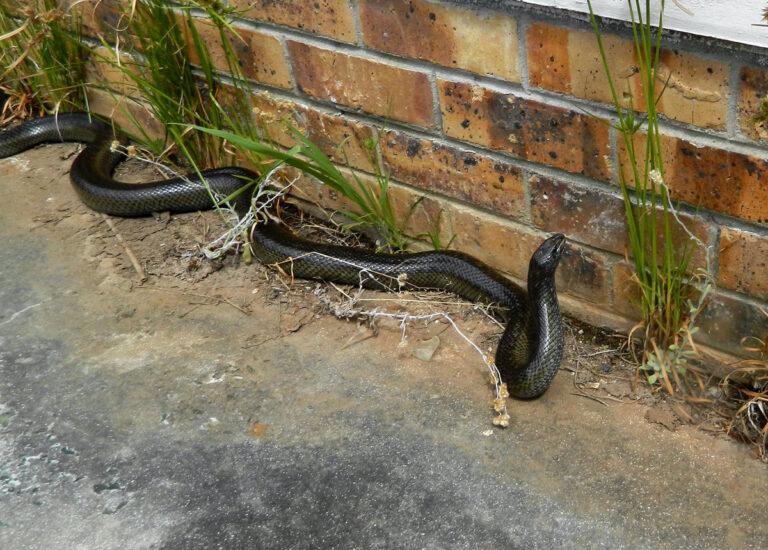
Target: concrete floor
(138, 418)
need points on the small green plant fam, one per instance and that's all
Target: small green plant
(374, 204)
(42, 60)
(661, 262)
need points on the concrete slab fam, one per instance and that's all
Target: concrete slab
(158, 415)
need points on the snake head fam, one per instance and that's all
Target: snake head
(544, 261)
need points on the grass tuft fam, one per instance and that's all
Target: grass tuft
(661, 245)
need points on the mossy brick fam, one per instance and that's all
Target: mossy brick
(456, 173)
(713, 178)
(360, 83)
(528, 129)
(568, 61)
(330, 18)
(744, 262)
(444, 34)
(753, 91)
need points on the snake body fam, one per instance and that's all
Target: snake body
(530, 350)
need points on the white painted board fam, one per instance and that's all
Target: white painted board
(733, 20)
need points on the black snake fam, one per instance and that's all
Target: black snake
(530, 350)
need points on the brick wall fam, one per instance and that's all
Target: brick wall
(485, 115)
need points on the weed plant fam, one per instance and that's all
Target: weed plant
(166, 64)
(42, 60)
(374, 204)
(163, 56)
(661, 258)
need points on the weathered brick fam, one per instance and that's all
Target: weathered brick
(259, 55)
(744, 262)
(459, 174)
(626, 291)
(753, 90)
(327, 131)
(100, 18)
(696, 91)
(568, 61)
(598, 219)
(504, 246)
(447, 35)
(584, 273)
(727, 320)
(125, 113)
(331, 18)
(528, 129)
(271, 114)
(361, 83)
(720, 180)
(588, 215)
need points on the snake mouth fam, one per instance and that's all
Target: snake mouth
(559, 239)
(549, 253)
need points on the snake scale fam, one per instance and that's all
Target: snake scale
(530, 350)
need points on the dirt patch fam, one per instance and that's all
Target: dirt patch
(166, 249)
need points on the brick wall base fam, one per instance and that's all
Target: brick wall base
(501, 119)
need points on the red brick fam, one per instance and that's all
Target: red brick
(361, 83)
(568, 61)
(752, 92)
(447, 35)
(331, 18)
(720, 180)
(528, 129)
(459, 174)
(744, 262)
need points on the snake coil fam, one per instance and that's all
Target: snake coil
(530, 350)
